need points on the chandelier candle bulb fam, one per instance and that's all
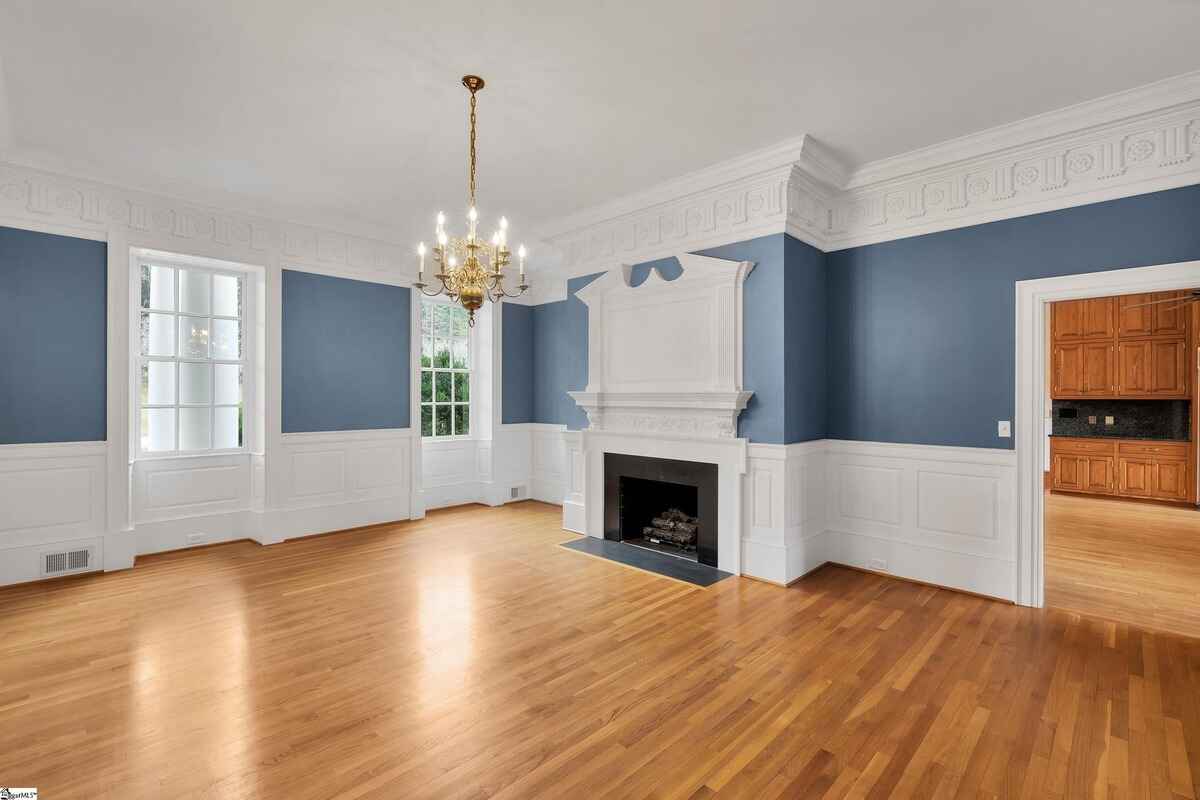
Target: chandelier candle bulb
(470, 272)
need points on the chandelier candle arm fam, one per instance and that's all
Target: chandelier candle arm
(469, 270)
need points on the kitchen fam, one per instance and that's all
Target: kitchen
(1121, 529)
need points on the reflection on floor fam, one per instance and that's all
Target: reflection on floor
(468, 655)
(1125, 561)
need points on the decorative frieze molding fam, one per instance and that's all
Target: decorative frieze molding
(32, 198)
(1134, 142)
(1103, 162)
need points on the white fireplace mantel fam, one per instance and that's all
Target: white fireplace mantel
(664, 381)
(666, 356)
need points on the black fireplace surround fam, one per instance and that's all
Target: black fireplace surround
(638, 488)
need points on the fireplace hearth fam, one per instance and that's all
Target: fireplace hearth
(663, 505)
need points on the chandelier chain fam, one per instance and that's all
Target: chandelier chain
(471, 182)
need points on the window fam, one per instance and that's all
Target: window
(445, 370)
(190, 365)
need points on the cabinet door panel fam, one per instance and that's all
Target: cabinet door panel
(1068, 472)
(1168, 374)
(1170, 480)
(1134, 317)
(1099, 317)
(1170, 319)
(1068, 370)
(1134, 368)
(1146, 315)
(1093, 318)
(1136, 476)
(1099, 474)
(1066, 320)
(1098, 369)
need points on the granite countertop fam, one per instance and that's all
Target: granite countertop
(1102, 435)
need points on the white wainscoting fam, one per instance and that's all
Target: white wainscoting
(575, 486)
(342, 479)
(451, 472)
(191, 500)
(548, 459)
(51, 496)
(784, 535)
(943, 515)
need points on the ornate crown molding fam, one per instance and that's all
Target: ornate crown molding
(38, 199)
(1134, 142)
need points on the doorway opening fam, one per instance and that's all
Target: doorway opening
(1107, 456)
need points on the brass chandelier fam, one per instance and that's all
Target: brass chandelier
(468, 269)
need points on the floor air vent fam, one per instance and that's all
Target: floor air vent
(67, 561)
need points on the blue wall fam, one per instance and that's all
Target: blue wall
(764, 419)
(345, 354)
(921, 330)
(53, 360)
(806, 327)
(516, 390)
(560, 361)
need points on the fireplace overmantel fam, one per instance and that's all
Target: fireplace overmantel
(665, 357)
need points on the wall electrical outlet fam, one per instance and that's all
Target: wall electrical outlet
(194, 539)
(1004, 429)
(878, 564)
(1109, 421)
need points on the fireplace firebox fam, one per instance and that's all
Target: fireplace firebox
(662, 504)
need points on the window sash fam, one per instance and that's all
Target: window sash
(141, 360)
(429, 333)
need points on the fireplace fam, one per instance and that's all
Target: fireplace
(662, 504)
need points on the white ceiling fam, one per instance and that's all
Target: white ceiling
(350, 113)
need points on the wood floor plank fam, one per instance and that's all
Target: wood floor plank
(468, 656)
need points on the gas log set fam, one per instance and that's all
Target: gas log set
(673, 527)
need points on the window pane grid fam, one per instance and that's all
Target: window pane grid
(445, 370)
(191, 360)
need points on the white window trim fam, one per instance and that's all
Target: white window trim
(248, 360)
(472, 371)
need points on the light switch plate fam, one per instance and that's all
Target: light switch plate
(1004, 429)
(1109, 421)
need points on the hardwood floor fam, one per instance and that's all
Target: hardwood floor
(1133, 562)
(468, 656)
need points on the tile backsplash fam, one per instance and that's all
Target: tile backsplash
(1134, 419)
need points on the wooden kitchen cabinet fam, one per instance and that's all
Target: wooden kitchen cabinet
(1137, 476)
(1170, 480)
(1116, 347)
(1136, 317)
(1152, 368)
(1077, 320)
(1123, 467)
(1169, 368)
(1087, 369)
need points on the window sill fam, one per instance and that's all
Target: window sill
(188, 455)
(436, 440)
